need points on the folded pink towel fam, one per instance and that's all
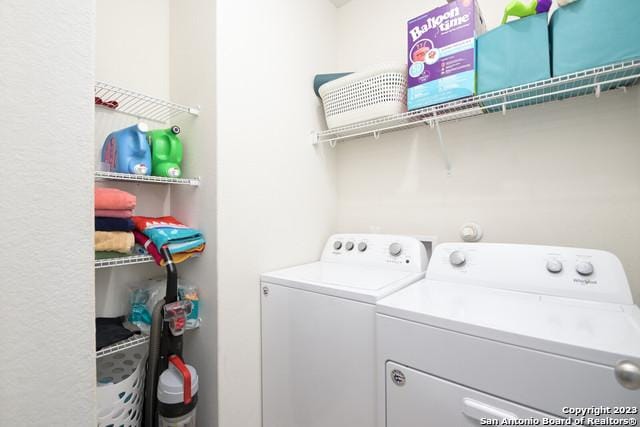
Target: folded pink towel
(115, 213)
(112, 198)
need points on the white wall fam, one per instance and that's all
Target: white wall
(132, 45)
(47, 362)
(561, 174)
(276, 193)
(193, 81)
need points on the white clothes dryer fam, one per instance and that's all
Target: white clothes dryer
(318, 330)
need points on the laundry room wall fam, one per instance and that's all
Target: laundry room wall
(47, 361)
(556, 174)
(276, 193)
(193, 81)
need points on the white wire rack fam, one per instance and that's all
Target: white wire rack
(139, 105)
(593, 81)
(133, 341)
(122, 261)
(100, 175)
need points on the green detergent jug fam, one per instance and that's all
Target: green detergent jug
(166, 152)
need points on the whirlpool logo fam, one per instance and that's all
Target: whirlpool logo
(584, 282)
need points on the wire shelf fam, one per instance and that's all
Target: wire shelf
(136, 104)
(593, 81)
(146, 178)
(131, 342)
(122, 261)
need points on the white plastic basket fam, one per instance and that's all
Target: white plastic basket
(365, 96)
(120, 391)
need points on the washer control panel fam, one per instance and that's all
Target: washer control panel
(557, 271)
(385, 251)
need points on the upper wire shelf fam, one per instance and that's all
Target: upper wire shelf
(593, 81)
(115, 176)
(137, 104)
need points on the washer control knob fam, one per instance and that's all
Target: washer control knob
(554, 266)
(362, 246)
(348, 246)
(628, 375)
(395, 249)
(337, 245)
(457, 258)
(584, 268)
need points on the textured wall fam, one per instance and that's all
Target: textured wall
(276, 193)
(47, 361)
(557, 174)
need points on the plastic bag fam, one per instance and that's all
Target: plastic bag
(144, 296)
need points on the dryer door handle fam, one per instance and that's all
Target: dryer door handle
(479, 411)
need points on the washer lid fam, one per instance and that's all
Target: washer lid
(361, 283)
(599, 332)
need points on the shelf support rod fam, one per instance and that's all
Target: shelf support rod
(434, 124)
(443, 149)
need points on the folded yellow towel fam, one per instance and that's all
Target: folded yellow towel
(114, 241)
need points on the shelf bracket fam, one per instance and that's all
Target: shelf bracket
(376, 134)
(598, 90)
(443, 149)
(504, 105)
(332, 143)
(434, 124)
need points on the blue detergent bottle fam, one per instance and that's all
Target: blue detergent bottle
(127, 151)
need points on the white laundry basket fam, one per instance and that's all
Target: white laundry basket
(120, 391)
(365, 96)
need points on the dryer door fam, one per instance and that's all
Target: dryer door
(414, 398)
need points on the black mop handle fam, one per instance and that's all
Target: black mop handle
(172, 276)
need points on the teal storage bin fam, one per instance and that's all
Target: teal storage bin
(514, 54)
(592, 33)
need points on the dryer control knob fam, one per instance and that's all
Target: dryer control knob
(628, 375)
(395, 249)
(554, 266)
(362, 246)
(457, 258)
(584, 268)
(348, 246)
(337, 245)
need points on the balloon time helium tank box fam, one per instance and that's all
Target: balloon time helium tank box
(442, 54)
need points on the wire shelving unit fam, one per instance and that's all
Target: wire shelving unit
(136, 104)
(593, 81)
(122, 261)
(131, 342)
(115, 176)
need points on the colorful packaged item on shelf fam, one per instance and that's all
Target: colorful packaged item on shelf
(143, 297)
(592, 33)
(514, 54)
(190, 293)
(127, 150)
(166, 152)
(442, 54)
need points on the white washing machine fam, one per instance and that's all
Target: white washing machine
(318, 330)
(510, 332)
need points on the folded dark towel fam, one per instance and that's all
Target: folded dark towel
(109, 330)
(104, 223)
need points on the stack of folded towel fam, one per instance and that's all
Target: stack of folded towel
(113, 223)
(154, 233)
